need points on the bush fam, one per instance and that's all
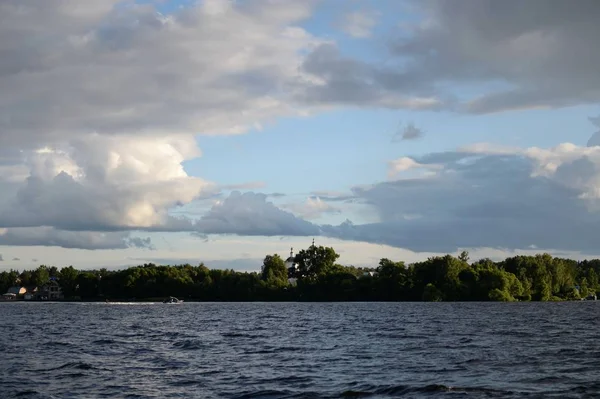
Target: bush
(500, 296)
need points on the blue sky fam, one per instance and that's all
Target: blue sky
(222, 131)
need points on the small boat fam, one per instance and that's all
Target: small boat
(173, 300)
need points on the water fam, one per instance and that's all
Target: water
(299, 350)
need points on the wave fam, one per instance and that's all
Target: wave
(391, 391)
(31, 394)
(190, 344)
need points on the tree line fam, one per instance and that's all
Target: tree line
(318, 277)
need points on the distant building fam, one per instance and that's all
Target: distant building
(17, 290)
(8, 297)
(50, 291)
(31, 293)
(292, 268)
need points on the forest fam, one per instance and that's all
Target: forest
(318, 277)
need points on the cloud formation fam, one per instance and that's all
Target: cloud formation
(83, 71)
(483, 196)
(497, 48)
(47, 236)
(104, 183)
(252, 215)
(313, 208)
(93, 139)
(359, 24)
(408, 132)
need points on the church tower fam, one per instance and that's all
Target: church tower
(292, 267)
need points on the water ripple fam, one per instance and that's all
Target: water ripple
(298, 350)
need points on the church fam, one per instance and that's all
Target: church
(292, 268)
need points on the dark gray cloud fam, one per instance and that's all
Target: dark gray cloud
(595, 139)
(251, 214)
(408, 132)
(346, 81)
(1, 258)
(500, 47)
(16, 259)
(498, 200)
(47, 236)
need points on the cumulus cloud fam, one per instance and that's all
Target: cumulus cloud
(89, 71)
(473, 42)
(341, 80)
(99, 106)
(486, 197)
(114, 95)
(405, 164)
(251, 214)
(313, 208)
(104, 183)
(359, 23)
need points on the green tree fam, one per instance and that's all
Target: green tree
(464, 256)
(584, 289)
(315, 261)
(274, 271)
(432, 294)
(68, 280)
(500, 296)
(41, 276)
(392, 280)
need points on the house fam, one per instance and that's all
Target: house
(17, 290)
(8, 297)
(31, 293)
(50, 291)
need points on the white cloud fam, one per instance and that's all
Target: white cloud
(99, 104)
(105, 182)
(91, 73)
(359, 24)
(312, 208)
(406, 164)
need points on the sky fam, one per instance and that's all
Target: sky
(220, 131)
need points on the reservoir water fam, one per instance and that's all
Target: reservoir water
(299, 350)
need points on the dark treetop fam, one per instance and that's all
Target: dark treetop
(315, 276)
